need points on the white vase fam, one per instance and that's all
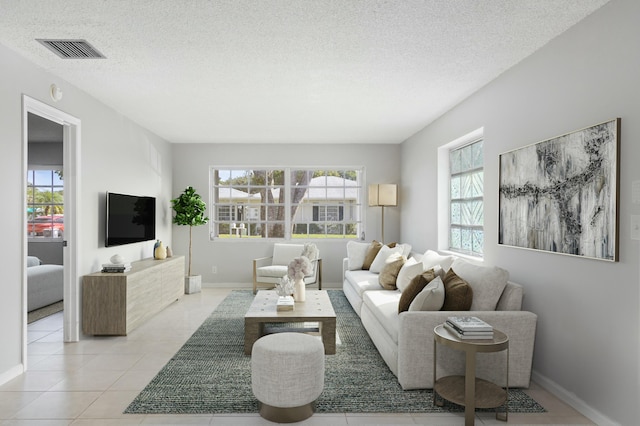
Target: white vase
(299, 290)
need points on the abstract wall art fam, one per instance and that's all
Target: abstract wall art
(561, 195)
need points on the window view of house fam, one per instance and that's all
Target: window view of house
(45, 204)
(286, 203)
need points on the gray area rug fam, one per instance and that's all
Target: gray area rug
(44, 312)
(211, 374)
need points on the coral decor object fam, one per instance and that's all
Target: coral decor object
(284, 287)
(299, 267)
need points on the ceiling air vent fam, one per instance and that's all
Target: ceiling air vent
(72, 49)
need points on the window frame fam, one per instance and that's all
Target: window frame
(54, 188)
(444, 194)
(350, 208)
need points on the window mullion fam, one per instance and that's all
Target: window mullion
(287, 203)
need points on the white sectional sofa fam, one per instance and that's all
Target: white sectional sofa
(45, 283)
(405, 340)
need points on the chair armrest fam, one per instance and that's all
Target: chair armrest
(262, 261)
(257, 263)
(319, 272)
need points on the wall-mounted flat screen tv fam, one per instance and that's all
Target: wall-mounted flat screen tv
(129, 219)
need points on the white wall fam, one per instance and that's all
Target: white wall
(588, 338)
(116, 155)
(234, 257)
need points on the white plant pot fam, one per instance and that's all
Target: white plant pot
(192, 284)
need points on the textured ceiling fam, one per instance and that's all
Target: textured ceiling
(293, 71)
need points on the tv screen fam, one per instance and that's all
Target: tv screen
(130, 219)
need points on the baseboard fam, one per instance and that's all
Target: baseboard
(571, 399)
(11, 374)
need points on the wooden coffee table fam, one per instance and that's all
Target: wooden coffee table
(316, 308)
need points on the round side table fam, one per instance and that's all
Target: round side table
(468, 390)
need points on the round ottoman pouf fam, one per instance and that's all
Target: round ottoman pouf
(287, 375)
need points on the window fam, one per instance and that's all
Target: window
(286, 203)
(45, 204)
(466, 189)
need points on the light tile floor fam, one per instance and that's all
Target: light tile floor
(91, 382)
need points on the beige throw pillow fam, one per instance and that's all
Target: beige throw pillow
(389, 273)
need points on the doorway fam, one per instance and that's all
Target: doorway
(61, 233)
(45, 219)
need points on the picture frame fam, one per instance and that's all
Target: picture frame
(561, 195)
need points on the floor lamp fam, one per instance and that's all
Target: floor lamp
(383, 195)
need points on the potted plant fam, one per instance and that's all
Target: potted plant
(190, 211)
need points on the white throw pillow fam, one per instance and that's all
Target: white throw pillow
(431, 298)
(381, 258)
(486, 282)
(310, 251)
(409, 270)
(432, 258)
(406, 249)
(356, 251)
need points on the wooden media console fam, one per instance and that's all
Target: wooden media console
(116, 303)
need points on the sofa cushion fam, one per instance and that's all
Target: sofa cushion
(33, 261)
(382, 256)
(432, 258)
(371, 254)
(415, 286)
(275, 271)
(362, 281)
(431, 298)
(458, 295)
(383, 304)
(285, 253)
(389, 273)
(487, 283)
(409, 270)
(511, 298)
(356, 251)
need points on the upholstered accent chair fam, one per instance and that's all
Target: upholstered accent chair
(268, 270)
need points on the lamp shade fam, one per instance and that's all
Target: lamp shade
(383, 194)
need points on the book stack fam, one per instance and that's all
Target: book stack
(469, 328)
(116, 267)
(285, 303)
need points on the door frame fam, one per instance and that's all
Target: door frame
(71, 142)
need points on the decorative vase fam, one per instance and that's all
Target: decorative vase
(299, 290)
(169, 252)
(160, 252)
